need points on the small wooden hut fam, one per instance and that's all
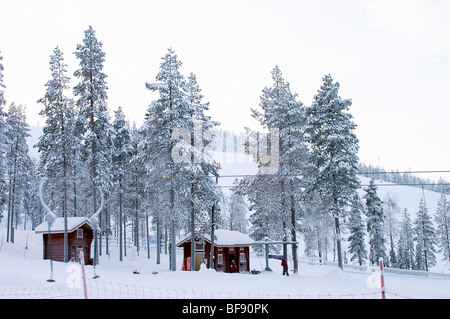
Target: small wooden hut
(229, 247)
(80, 235)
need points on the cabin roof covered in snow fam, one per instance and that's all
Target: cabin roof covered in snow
(224, 237)
(58, 225)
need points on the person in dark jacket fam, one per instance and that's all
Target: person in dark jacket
(285, 267)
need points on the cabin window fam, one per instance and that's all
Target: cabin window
(242, 257)
(220, 259)
(79, 233)
(199, 246)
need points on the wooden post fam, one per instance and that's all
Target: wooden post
(83, 274)
(383, 289)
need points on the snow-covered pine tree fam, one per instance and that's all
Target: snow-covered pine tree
(238, 209)
(58, 141)
(174, 148)
(375, 223)
(201, 167)
(425, 238)
(405, 254)
(283, 114)
(92, 106)
(263, 192)
(121, 156)
(317, 228)
(334, 147)
(357, 246)
(2, 85)
(3, 143)
(442, 219)
(391, 209)
(17, 160)
(155, 151)
(136, 189)
(30, 200)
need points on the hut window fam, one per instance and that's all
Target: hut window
(199, 246)
(242, 257)
(79, 233)
(220, 259)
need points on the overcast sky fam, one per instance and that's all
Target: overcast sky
(392, 58)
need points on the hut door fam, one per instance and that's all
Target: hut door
(198, 260)
(77, 254)
(199, 253)
(242, 260)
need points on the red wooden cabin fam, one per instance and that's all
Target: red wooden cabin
(229, 246)
(80, 236)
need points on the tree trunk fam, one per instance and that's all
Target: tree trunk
(192, 229)
(120, 221)
(158, 242)
(338, 242)
(148, 235)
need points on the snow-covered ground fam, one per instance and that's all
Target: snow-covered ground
(23, 274)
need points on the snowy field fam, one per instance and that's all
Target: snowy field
(23, 274)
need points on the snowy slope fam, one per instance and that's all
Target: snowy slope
(408, 197)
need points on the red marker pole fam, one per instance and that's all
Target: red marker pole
(83, 274)
(383, 289)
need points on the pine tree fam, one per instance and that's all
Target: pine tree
(425, 238)
(92, 101)
(356, 226)
(334, 148)
(263, 193)
(317, 228)
(405, 243)
(30, 200)
(175, 149)
(3, 143)
(391, 206)
(121, 157)
(283, 116)
(442, 218)
(17, 160)
(136, 191)
(58, 141)
(2, 85)
(201, 167)
(93, 111)
(375, 223)
(237, 210)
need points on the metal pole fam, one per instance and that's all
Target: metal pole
(50, 253)
(267, 258)
(211, 257)
(50, 217)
